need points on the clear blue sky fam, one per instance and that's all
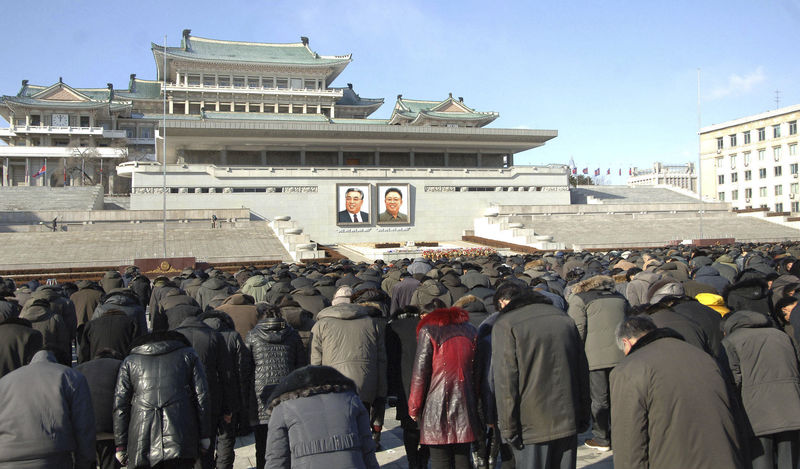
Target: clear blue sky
(617, 79)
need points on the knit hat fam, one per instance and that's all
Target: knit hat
(715, 302)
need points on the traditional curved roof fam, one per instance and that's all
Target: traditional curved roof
(141, 89)
(353, 105)
(62, 96)
(423, 112)
(215, 50)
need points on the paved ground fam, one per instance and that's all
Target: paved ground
(393, 455)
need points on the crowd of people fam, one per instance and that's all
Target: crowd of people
(675, 357)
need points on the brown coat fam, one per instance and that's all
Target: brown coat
(86, 300)
(241, 309)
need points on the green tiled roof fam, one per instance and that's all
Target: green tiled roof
(460, 115)
(144, 89)
(416, 110)
(415, 106)
(63, 104)
(233, 51)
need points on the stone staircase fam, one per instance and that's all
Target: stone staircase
(291, 236)
(20, 198)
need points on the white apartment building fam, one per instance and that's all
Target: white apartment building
(676, 175)
(752, 162)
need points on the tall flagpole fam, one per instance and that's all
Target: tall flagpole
(164, 150)
(699, 157)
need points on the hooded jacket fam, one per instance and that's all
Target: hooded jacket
(298, 439)
(710, 276)
(161, 403)
(538, 400)
(402, 293)
(214, 287)
(327, 286)
(257, 286)
(443, 397)
(401, 346)
(310, 299)
(763, 364)
(111, 280)
(751, 294)
(597, 308)
(237, 355)
(671, 408)
(429, 290)
(55, 334)
(346, 338)
(453, 284)
(19, 341)
(392, 279)
(114, 330)
(85, 300)
(276, 350)
(127, 302)
(639, 286)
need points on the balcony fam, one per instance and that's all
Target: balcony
(142, 141)
(60, 152)
(51, 130)
(332, 93)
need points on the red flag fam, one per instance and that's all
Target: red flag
(597, 172)
(585, 170)
(608, 171)
(630, 171)
(41, 171)
(620, 171)
(574, 170)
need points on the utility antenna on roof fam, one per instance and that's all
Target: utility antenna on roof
(777, 99)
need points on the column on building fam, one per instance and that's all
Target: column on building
(223, 156)
(377, 158)
(411, 158)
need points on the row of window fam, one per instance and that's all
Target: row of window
(210, 80)
(762, 174)
(794, 188)
(762, 155)
(760, 132)
(179, 107)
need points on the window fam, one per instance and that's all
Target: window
(310, 84)
(209, 81)
(721, 179)
(748, 193)
(282, 83)
(252, 83)
(778, 170)
(762, 134)
(719, 162)
(193, 79)
(793, 149)
(721, 196)
(734, 195)
(719, 143)
(748, 175)
(224, 81)
(779, 190)
(761, 154)
(794, 188)
(776, 153)
(762, 173)
(746, 137)
(84, 121)
(733, 161)
(746, 158)
(130, 132)
(268, 82)
(146, 132)
(36, 120)
(238, 82)
(762, 191)
(779, 207)
(796, 207)
(734, 177)
(793, 128)
(732, 139)
(296, 83)
(776, 131)
(793, 168)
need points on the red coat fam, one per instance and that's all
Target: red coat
(443, 395)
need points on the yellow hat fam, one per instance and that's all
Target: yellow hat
(714, 302)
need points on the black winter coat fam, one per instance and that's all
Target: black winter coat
(401, 347)
(210, 348)
(763, 364)
(127, 302)
(302, 321)
(101, 374)
(310, 299)
(175, 310)
(751, 294)
(161, 401)
(223, 324)
(55, 334)
(141, 287)
(709, 320)
(275, 350)
(114, 330)
(19, 341)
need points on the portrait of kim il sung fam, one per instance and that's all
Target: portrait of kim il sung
(353, 204)
(395, 204)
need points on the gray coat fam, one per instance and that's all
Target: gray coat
(638, 287)
(763, 364)
(671, 408)
(597, 308)
(346, 338)
(45, 414)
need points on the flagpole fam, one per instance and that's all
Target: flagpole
(46, 179)
(699, 158)
(164, 149)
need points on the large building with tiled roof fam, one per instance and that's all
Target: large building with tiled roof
(233, 121)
